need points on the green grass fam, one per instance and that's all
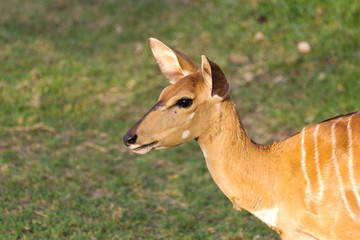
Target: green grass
(75, 75)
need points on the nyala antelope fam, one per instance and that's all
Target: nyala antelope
(305, 187)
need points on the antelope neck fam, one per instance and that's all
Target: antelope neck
(240, 167)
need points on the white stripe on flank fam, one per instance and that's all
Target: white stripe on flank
(317, 165)
(337, 169)
(303, 166)
(351, 161)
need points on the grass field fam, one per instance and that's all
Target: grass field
(75, 75)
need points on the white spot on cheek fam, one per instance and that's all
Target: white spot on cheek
(191, 116)
(205, 154)
(185, 134)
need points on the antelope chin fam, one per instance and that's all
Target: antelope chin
(142, 149)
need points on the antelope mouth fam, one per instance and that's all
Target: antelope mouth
(145, 148)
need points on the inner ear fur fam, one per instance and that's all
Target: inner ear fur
(173, 64)
(214, 78)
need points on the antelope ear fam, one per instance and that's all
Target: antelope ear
(173, 64)
(214, 78)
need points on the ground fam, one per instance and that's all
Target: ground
(75, 75)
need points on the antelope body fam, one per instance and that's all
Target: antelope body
(305, 187)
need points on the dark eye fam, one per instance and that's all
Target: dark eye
(184, 102)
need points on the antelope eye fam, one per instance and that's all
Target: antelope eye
(184, 102)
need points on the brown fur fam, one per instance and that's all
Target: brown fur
(282, 177)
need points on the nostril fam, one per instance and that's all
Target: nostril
(132, 139)
(129, 139)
